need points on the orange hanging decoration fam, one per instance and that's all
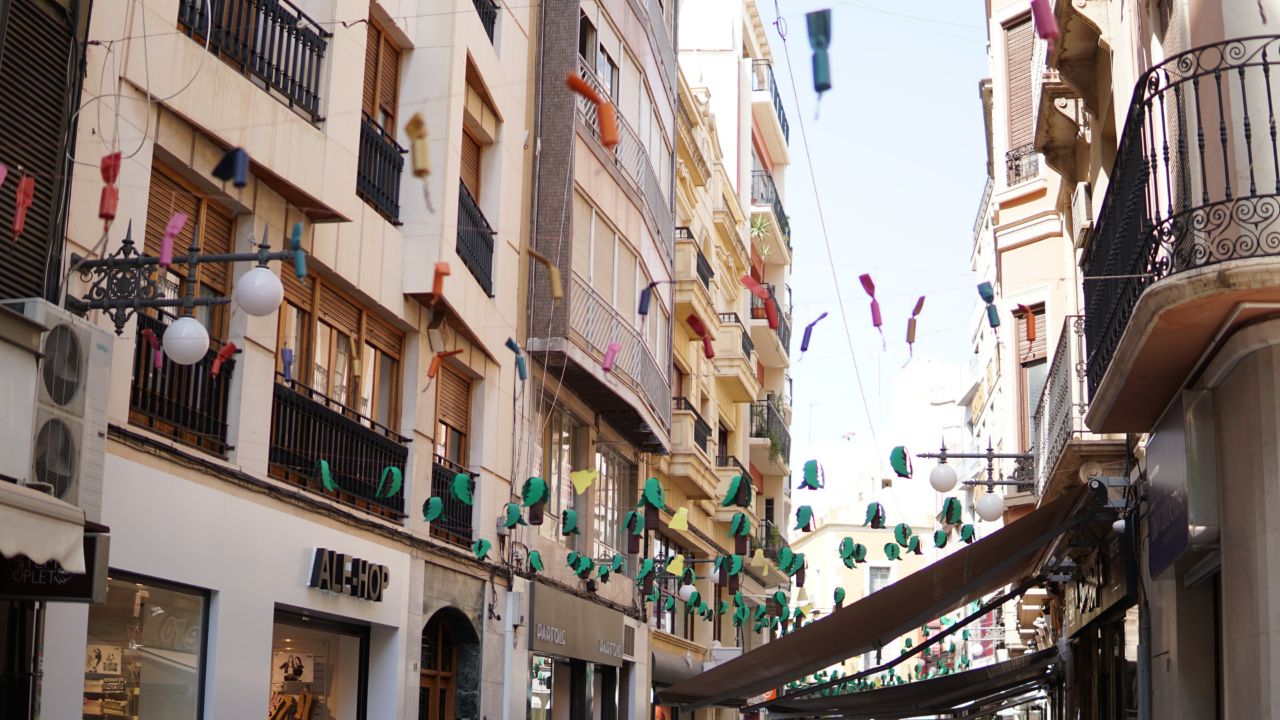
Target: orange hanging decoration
(437, 284)
(438, 360)
(223, 355)
(606, 115)
(26, 194)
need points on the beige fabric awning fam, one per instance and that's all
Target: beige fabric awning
(41, 528)
(1006, 556)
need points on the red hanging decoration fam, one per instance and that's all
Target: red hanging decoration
(223, 355)
(110, 198)
(26, 194)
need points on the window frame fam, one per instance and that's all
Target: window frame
(559, 486)
(380, 113)
(1027, 360)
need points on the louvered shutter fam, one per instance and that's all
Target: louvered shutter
(1018, 51)
(164, 198)
(388, 82)
(471, 164)
(216, 237)
(35, 77)
(382, 335)
(1033, 349)
(340, 312)
(582, 218)
(298, 292)
(602, 260)
(628, 296)
(369, 100)
(453, 401)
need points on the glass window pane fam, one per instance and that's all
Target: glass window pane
(367, 370)
(293, 335)
(324, 345)
(144, 651)
(383, 400)
(342, 369)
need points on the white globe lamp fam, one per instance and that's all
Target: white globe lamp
(686, 592)
(1118, 526)
(259, 292)
(990, 507)
(714, 575)
(943, 477)
(186, 341)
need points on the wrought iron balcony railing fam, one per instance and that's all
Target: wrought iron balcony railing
(748, 347)
(729, 462)
(488, 12)
(379, 168)
(762, 79)
(1196, 182)
(475, 240)
(701, 430)
(984, 210)
(765, 192)
(271, 40)
(307, 427)
(454, 524)
(771, 538)
(1062, 407)
(1022, 164)
(759, 311)
(767, 422)
(703, 268)
(185, 402)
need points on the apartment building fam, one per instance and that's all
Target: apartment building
(268, 550)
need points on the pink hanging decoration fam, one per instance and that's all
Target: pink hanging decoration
(911, 328)
(1046, 24)
(4, 172)
(157, 357)
(610, 353)
(870, 287)
(223, 355)
(176, 224)
(110, 197)
(26, 194)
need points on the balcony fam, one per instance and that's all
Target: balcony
(770, 228)
(272, 42)
(771, 538)
(475, 240)
(690, 464)
(1184, 247)
(727, 467)
(774, 346)
(379, 169)
(767, 111)
(770, 438)
(488, 12)
(693, 158)
(307, 427)
(735, 366)
(454, 524)
(184, 402)
(1062, 443)
(693, 280)
(1021, 164)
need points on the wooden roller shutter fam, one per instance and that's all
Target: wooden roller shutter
(382, 335)
(216, 237)
(369, 100)
(166, 197)
(453, 402)
(1036, 347)
(340, 312)
(388, 82)
(298, 292)
(1018, 41)
(471, 164)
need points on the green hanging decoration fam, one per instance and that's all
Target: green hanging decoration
(799, 615)
(902, 533)
(603, 573)
(735, 565)
(583, 566)
(397, 481)
(326, 476)
(968, 534)
(722, 607)
(739, 493)
(692, 603)
(432, 509)
(739, 616)
(859, 553)
(512, 516)
(654, 496)
(461, 488)
(785, 554)
(940, 538)
(535, 561)
(668, 603)
(760, 612)
(646, 569)
(617, 563)
(875, 516)
(846, 548)
(795, 566)
(819, 40)
(740, 525)
(804, 518)
(534, 491)
(952, 512)
(813, 478)
(913, 545)
(480, 548)
(900, 461)
(633, 523)
(892, 551)
(780, 598)
(839, 596)
(569, 522)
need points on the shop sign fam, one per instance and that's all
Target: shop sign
(335, 572)
(1182, 481)
(1103, 585)
(569, 626)
(22, 579)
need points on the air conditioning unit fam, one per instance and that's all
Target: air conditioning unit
(68, 435)
(1081, 214)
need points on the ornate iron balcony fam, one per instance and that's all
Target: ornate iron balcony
(759, 312)
(378, 171)
(762, 79)
(767, 422)
(1060, 412)
(765, 192)
(454, 524)
(1196, 182)
(475, 240)
(729, 462)
(1021, 165)
(272, 40)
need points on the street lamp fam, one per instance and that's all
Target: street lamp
(989, 506)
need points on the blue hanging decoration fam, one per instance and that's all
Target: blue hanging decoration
(286, 360)
(299, 255)
(808, 332)
(646, 296)
(522, 370)
(233, 167)
(988, 295)
(820, 39)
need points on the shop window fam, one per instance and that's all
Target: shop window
(145, 652)
(541, 684)
(562, 449)
(449, 668)
(319, 669)
(381, 78)
(615, 494)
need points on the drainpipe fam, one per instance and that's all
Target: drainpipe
(508, 643)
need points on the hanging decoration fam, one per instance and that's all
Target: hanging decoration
(675, 565)
(582, 479)
(839, 597)
(804, 518)
(553, 274)
(869, 285)
(615, 566)
(605, 112)
(569, 522)
(4, 172)
(299, 255)
(109, 200)
(512, 516)
(610, 353)
(968, 534)
(875, 516)
(654, 500)
(461, 489)
(902, 534)
(419, 154)
(26, 194)
(892, 551)
(633, 525)
(988, 295)
(646, 295)
(522, 370)
(759, 561)
(813, 477)
(438, 359)
(441, 272)
(480, 548)
(900, 461)
(679, 520)
(581, 565)
(233, 167)
(646, 570)
(740, 530)
(394, 474)
(535, 561)
(177, 223)
(739, 493)
(911, 328)
(157, 355)
(1030, 322)
(846, 551)
(913, 545)
(534, 495)
(699, 329)
(762, 292)
(952, 512)
(286, 363)
(224, 354)
(819, 22)
(432, 509)
(940, 538)
(1046, 23)
(808, 333)
(326, 476)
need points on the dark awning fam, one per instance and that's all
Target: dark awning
(669, 669)
(928, 697)
(1006, 556)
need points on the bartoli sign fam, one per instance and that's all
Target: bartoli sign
(569, 626)
(342, 574)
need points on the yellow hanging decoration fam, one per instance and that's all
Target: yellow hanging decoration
(676, 565)
(680, 520)
(758, 560)
(582, 479)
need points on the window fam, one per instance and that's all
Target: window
(318, 669)
(615, 494)
(1033, 369)
(607, 69)
(1018, 37)
(878, 578)
(145, 653)
(381, 78)
(563, 454)
(587, 40)
(718, 620)
(471, 151)
(453, 416)
(676, 621)
(602, 267)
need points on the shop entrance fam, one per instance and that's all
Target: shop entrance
(319, 669)
(450, 668)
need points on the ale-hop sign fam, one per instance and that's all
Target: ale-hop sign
(335, 572)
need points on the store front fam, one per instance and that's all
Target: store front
(1101, 678)
(577, 666)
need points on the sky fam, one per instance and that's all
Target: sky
(899, 161)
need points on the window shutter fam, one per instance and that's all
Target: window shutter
(602, 261)
(581, 235)
(471, 164)
(1018, 52)
(164, 198)
(382, 335)
(340, 312)
(389, 81)
(1037, 348)
(298, 292)
(453, 402)
(369, 100)
(628, 295)
(216, 237)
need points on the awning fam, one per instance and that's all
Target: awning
(40, 527)
(944, 694)
(1006, 556)
(669, 668)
